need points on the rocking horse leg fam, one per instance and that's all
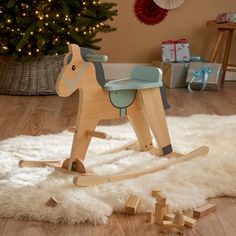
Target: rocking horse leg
(141, 129)
(155, 114)
(80, 144)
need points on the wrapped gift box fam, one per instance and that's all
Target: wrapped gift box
(226, 17)
(199, 71)
(174, 74)
(175, 51)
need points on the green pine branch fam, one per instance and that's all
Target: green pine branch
(31, 29)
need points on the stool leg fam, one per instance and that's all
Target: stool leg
(226, 54)
(216, 46)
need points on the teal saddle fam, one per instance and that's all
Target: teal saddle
(122, 92)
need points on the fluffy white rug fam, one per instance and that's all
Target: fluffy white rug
(24, 191)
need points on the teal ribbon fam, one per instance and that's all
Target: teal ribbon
(201, 75)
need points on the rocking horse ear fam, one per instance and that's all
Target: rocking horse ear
(73, 48)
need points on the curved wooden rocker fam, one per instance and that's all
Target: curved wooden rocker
(141, 98)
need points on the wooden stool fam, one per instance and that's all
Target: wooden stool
(229, 27)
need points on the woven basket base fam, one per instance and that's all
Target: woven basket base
(31, 78)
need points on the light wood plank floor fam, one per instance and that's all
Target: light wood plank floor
(42, 115)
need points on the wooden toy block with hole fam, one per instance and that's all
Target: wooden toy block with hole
(188, 221)
(141, 98)
(132, 204)
(52, 202)
(204, 210)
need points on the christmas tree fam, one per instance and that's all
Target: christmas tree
(31, 29)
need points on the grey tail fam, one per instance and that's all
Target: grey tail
(166, 105)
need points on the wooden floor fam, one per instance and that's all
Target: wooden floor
(42, 115)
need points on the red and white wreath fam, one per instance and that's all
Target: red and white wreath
(148, 12)
(151, 12)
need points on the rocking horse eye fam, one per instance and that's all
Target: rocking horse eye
(73, 67)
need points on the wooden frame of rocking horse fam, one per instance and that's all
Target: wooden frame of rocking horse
(82, 70)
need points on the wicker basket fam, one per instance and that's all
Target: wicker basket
(31, 78)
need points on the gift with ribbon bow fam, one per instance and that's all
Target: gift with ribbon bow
(203, 76)
(175, 51)
(226, 17)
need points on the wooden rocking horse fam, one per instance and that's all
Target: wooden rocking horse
(140, 97)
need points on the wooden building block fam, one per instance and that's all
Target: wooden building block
(160, 212)
(149, 216)
(161, 199)
(189, 222)
(169, 216)
(132, 204)
(168, 225)
(204, 210)
(154, 192)
(52, 202)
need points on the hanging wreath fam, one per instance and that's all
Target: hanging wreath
(148, 12)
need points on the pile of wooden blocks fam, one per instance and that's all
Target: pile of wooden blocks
(168, 221)
(161, 215)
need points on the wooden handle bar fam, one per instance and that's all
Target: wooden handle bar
(96, 58)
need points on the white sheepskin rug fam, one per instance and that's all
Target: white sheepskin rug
(25, 191)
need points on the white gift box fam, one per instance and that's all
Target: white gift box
(226, 17)
(175, 51)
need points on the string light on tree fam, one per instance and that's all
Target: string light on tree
(37, 28)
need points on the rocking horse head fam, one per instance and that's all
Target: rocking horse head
(80, 64)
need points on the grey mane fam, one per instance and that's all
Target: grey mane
(98, 66)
